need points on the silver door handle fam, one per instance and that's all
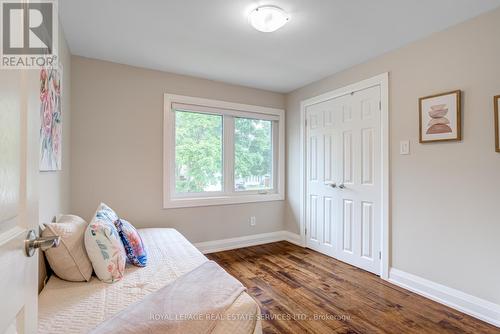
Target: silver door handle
(341, 186)
(32, 243)
(331, 184)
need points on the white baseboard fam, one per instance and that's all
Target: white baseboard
(246, 241)
(461, 301)
(293, 238)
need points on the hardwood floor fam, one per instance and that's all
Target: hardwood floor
(302, 291)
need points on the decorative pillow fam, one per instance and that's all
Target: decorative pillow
(136, 253)
(69, 261)
(105, 213)
(104, 246)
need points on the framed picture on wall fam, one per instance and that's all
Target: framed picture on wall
(496, 103)
(440, 117)
(51, 119)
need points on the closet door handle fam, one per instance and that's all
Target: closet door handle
(331, 184)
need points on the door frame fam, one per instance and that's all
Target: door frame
(381, 80)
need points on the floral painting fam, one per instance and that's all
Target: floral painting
(51, 119)
(440, 117)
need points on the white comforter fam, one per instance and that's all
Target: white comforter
(69, 307)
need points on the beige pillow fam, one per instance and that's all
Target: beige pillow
(69, 261)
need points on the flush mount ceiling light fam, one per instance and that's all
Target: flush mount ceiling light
(268, 18)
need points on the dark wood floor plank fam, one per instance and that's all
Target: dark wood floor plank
(303, 291)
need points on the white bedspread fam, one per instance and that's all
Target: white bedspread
(71, 307)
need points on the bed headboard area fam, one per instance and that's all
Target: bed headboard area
(69, 260)
(43, 271)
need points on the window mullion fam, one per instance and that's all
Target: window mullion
(228, 154)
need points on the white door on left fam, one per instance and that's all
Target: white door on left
(19, 133)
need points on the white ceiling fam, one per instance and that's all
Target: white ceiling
(212, 38)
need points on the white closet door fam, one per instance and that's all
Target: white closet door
(343, 178)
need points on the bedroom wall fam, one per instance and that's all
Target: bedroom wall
(117, 152)
(54, 187)
(445, 218)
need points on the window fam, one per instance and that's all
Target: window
(253, 154)
(198, 152)
(218, 152)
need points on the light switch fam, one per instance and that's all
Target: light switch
(404, 147)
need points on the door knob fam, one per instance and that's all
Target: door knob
(341, 186)
(331, 184)
(33, 242)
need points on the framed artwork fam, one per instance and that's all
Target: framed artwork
(496, 103)
(440, 117)
(51, 119)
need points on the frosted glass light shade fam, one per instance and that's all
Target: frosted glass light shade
(268, 18)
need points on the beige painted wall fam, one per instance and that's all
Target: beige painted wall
(445, 196)
(117, 149)
(444, 214)
(55, 186)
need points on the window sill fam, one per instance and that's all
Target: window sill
(172, 203)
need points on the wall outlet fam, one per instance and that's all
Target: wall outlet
(253, 221)
(404, 147)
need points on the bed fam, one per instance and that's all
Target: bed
(71, 307)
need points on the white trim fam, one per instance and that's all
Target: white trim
(225, 111)
(246, 241)
(461, 301)
(221, 200)
(385, 235)
(381, 80)
(227, 195)
(291, 237)
(221, 104)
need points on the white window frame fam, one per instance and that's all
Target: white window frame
(228, 195)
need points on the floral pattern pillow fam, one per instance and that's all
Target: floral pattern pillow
(104, 246)
(134, 247)
(105, 213)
